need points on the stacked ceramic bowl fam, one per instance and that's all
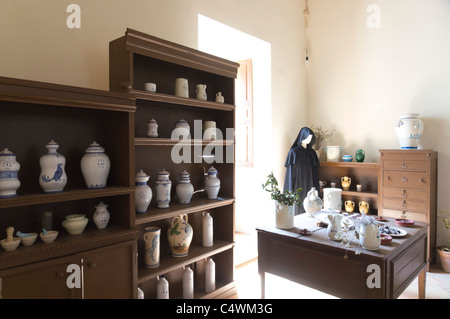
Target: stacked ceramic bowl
(347, 158)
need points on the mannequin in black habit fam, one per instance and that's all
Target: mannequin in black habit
(302, 166)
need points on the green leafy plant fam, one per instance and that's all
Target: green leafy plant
(289, 198)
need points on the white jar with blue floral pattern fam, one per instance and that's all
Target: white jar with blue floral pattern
(9, 169)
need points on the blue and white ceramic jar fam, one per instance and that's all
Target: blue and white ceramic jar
(212, 183)
(184, 189)
(9, 170)
(53, 176)
(143, 192)
(101, 216)
(95, 166)
(409, 130)
(163, 188)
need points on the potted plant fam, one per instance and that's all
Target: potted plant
(321, 137)
(444, 251)
(284, 202)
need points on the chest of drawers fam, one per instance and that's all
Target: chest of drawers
(408, 188)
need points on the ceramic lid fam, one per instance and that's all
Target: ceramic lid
(152, 121)
(101, 205)
(6, 152)
(181, 122)
(212, 170)
(95, 148)
(52, 146)
(141, 176)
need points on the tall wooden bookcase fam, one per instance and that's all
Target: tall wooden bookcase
(138, 58)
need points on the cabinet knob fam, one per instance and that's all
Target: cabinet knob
(404, 165)
(421, 180)
(60, 274)
(404, 195)
(388, 178)
(92, 265)
(404, 205)
(404, 179)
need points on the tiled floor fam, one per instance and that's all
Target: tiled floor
(248, 280)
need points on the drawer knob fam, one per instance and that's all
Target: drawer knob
(404, 165)
(404, 205)
(404, 195)
(404, 179)
(92, 265)
(421, 180)
(388, 178)
(60, 274)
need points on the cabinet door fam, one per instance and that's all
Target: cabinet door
(110, 272)
(43, 280)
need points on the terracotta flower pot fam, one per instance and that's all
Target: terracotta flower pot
(445, 259)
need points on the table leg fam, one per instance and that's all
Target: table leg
(263, 284)
(422, 283)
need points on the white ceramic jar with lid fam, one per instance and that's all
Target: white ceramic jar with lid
(9, 170)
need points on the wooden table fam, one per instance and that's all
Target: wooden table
(320, 263)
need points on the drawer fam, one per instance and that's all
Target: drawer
(405, 193)
(420, 217)
(405, 179)
(405, 165)
(405, 205)
(410, 155)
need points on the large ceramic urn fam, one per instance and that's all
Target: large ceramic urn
(95, 166)
(9, 169)
(409, 129)
(179, 235)
(53, 176)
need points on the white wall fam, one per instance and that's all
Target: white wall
(361, 79)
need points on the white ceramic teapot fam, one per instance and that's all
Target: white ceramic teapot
(334, 229)
(369, 233)
(312, 203)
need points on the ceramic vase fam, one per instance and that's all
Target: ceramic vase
(360, 155)
(188, 283)
(210, 276)
(152, 128)
(284, 216)
(9, 177)
(409, 130)
(53, 177)
(181, 87)
(152, 238)
(219, 97)
(179, 235)
(207, 230)
(201, 92)
(162, 288)
(101, 216)
(95, 166)
(212, 183)
(143, 193)
(312, 203)
(163, 188)
(184, 189)
(346, 182)
(75, 223)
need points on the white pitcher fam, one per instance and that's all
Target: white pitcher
(334, 229)
(332, 198)
(369, 233)
(312, 203)
(201, 92)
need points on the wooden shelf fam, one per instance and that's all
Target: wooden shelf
(169, 263)
(172, 99)
(360, 194)
(351, 164)
(45, 198)
(176, 209)
(148, 141)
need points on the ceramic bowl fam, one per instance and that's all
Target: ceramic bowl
(404, 222)
(29, 240)
(49, 237)
(75, 223)
(347, 158)
(386, 239)
(10, 245)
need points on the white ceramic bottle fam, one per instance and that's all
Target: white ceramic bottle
(212, 183)
(143, 192)
(95, 166)
(188, 283)
(162, 288)
(210, 276)
(140, 293)
(101, 216)
(9, 169)
(53, 177)
(163, 187)
(184, 189)
(207, 228)
(152, 128)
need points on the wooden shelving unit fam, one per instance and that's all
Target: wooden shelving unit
(137, 58)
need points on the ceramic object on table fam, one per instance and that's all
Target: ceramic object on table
(48, 236)
(385, 239)
(409, 130)
(101, 216)
(212, 183)
(312, 202)
(75, 223)
(334, 229)
(28, 239)
(333, 153)
(219, 97)
(181, 87)
(346, 182)
(360, 155)
(152, 128)
(10, 243)
(184, 189)
(179, 235)
(143, 193)
(95, 166)
(163, 188)
(201, 92)
(284, 216)
(9, 174)
(53, 177)
(332, 199)
(369, 233)
(347, 158)
(404, 222)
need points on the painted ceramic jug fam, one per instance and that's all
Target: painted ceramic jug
(101, 216)
(312, 203)
(201, 92)
(334, 229)
(95, 166)
(53, 177)
(369, 233)
(364, 207)
(179, 235)
(360, 155)
(152, 246)
(143, 193)
(9, 178)
(349, 206)
(163, 188)
(184, 189)
(212, 183)
(345, 182)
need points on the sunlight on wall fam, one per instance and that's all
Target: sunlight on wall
(226, 42)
